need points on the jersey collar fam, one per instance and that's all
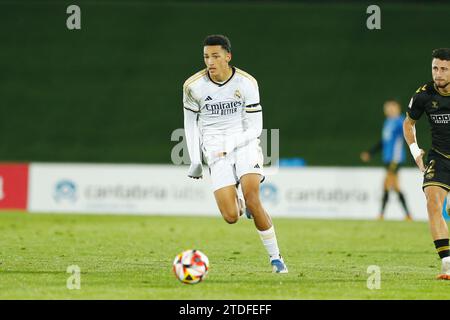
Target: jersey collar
(224, 83)
(441, 93)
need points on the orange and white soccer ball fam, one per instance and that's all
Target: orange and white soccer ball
(191, 266)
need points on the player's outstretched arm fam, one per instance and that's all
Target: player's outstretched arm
(193, 144)
(409, 132)
(367, 155)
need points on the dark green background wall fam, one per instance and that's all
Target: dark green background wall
(111, 92)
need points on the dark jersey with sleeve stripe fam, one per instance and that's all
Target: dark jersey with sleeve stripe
(436, 105)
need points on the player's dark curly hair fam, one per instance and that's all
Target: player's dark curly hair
(441, 54)
(218, 40)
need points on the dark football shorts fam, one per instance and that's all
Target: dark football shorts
(392, 167)
(437, 172)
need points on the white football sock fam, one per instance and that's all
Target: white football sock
(269, 240)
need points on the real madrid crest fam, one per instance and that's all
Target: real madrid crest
(237, 94)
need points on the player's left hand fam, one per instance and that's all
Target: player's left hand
(419, 161)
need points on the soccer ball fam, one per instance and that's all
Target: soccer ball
(191, 266)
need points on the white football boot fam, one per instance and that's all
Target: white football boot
(278, 265)
(445, 271)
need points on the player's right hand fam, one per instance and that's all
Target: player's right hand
(195, 171)
(419, 161)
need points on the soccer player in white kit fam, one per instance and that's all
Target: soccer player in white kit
(223, 119)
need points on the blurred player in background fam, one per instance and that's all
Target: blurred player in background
(391, 145)
(433, 98)
(223, 119)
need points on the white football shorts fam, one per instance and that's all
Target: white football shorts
(228, 170)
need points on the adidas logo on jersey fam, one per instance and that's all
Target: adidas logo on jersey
(208, 98)
(256, 166)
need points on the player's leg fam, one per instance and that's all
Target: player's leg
(436, 185)
(386, 187)
(435, 199)
(401, 196)
(250, 186)
(224, 181)
(249, 170)
(227, 204)
(435, 196)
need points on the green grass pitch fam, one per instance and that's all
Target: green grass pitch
(130, 257)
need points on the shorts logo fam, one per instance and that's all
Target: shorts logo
(429, 171)
(440, 118)
(429, 175)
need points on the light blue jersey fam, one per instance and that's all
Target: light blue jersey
(393, 141)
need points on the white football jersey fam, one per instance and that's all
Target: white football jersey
(221, 107)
